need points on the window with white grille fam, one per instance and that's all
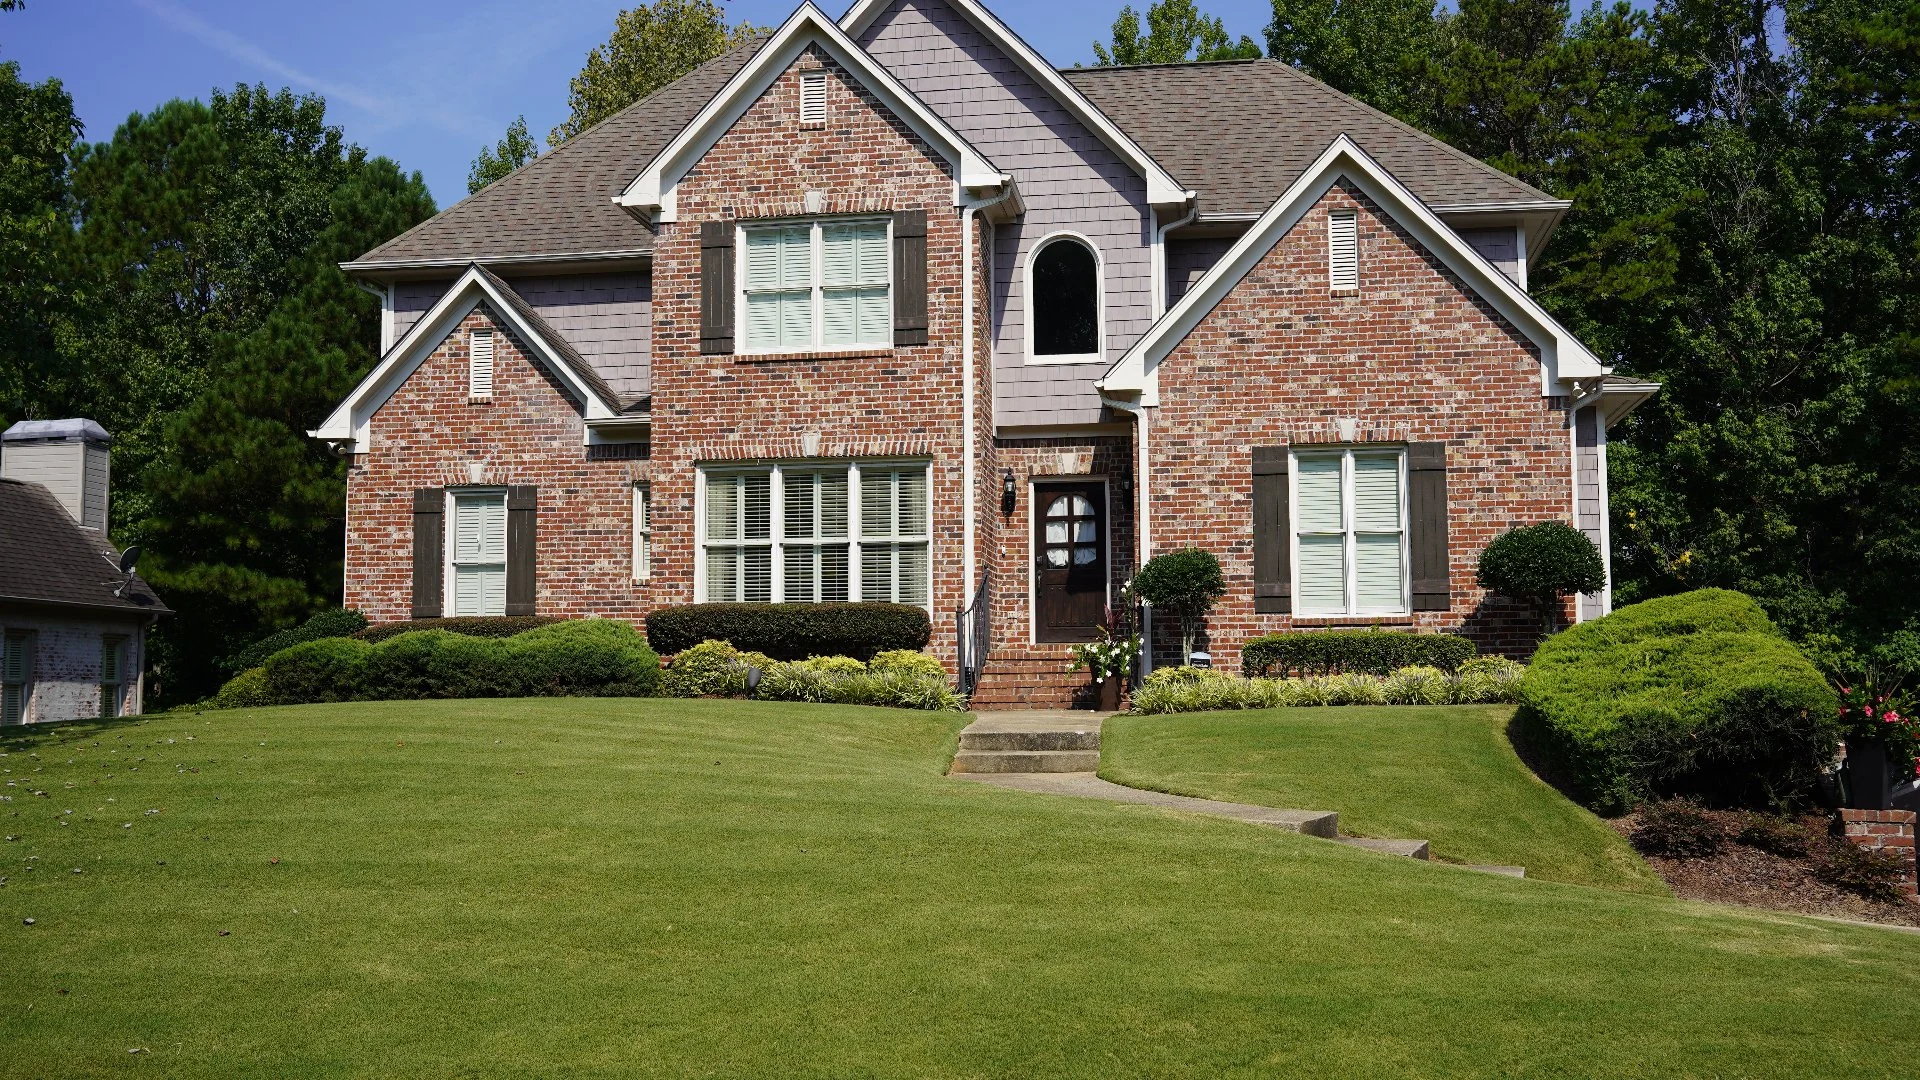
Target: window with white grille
(479, 552)
(642, 532)
(808, 285)
(480, 364)
(1349, 514)
(813, 97)
(1343, 251)
(812, 533)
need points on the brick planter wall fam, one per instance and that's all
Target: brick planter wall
(1890, 831)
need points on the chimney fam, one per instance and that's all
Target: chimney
(68, 458)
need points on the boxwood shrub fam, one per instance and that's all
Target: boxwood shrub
(489, 626)
(1374, 652)
(1694, 694)
(586, 657)
(338, 622)
(792, 631)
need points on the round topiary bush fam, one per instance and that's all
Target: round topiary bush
(1184, 584)
(1541, 565)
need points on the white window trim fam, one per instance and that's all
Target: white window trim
(1349, 587)
(450, 543)
(776, 494)
(1099, 293)
(816, 317)
(642, 533)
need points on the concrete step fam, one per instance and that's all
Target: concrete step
(1030, 740)
(1490, 868)
(1026, 761)
(1412, 849)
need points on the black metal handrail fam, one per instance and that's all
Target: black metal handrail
(973, 627)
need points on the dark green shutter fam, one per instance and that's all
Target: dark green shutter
(910, 277)
(429, 538)
(716, 289)
(521, 527)
(1272, 547)
(1427, 538)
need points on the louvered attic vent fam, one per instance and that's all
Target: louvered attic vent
(813, 97)
(480, 364)
(1343, 251)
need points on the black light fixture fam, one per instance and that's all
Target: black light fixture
(1007, 495)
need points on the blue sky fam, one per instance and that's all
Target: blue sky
(425, 82)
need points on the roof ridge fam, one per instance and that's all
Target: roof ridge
(1166, 64)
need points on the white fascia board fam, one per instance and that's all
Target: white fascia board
(1162, 189)
(1562, 355)
(652, 191)
(349, 421)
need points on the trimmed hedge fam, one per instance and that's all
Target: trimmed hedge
(1372, 652)
(893, 679)
(792, 631)
(486, 626)
(1488, 680)
(585, 657)
(1694, 694)
(339, 622)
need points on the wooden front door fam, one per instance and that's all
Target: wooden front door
(1069, 561)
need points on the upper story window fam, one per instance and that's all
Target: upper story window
(1343, 251)
(1063, 289)
(816, 285)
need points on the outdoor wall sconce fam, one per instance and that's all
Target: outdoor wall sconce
(1007, 495)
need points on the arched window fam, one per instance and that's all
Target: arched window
(1065, 289)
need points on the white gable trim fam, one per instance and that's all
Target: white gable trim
(349, 422)
(652, 192)
(1563, 357)
(1162, 189)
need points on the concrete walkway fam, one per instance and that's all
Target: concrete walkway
(1056, 753)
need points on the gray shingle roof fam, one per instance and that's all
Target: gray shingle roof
(45, 555)
(562, 202)
(1238, 132)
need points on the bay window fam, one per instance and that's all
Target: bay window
(815, 533)
(1350, 554)
(816, 285)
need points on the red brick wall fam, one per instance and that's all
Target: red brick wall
(1413, 357)
(1108, 457)
(1888, 831)
(429, 435)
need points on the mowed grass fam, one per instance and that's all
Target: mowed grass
(1445, 774)
(711, 888)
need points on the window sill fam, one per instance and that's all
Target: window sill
(1062, 359)
(1353, 620)
(813, 354)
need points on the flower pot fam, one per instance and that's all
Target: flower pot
(1869, 787)
(1106, 694)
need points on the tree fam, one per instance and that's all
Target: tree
(650, 47)
(1376, 50)
(510, 153)
(1542, 565)
(1176, 33)
(1184, 584)
(37, 134)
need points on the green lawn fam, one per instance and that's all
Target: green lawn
(1446, 774)
(712, 888)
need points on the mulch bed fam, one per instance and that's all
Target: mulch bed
(1746, 875)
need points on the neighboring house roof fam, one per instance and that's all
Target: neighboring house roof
(558, 205)
(47, 558)
(1563, 358)
(1238, 132)
(57, 429)
(348, 422)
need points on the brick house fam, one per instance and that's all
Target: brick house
(888, 308)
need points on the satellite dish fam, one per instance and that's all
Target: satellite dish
(128, 558)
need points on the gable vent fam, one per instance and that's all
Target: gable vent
(480, 364)
(1343, 251)
(813, 97)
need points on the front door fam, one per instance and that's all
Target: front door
(1070, 561)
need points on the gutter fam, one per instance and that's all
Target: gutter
(148, 613)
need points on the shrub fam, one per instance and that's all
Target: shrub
(1541, 564)
(1376, 652)
(809, 680)
(1678, 829)
(1486, 680)
(243, 691)
(1688, 694)
(325, 670)
(339, 622)
(1418, 685)
(793, 631)
(587, 657)
(487, 626)
(1776, 833)
(1872, 874)
(909, 662)
(1184, 584)
(1356, 688)
(712, 669)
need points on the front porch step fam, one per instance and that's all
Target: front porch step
(1027, 761)
(1029, 677)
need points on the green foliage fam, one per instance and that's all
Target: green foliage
(1184, 584)
(1678, 829)
(1540, 565)
(583, 657)
(491, 626)
(899, 679)
(793, 631)
(1487, 678)
(711, 669)
(1418, 685)
(244, 691)
(1190, 689)
(336, 622)
(1376, 50)
(651, 46)
(514, 150)
(37, 133)
(1691, 694)
(908, 661)
(1176, 33)
(1376, 652)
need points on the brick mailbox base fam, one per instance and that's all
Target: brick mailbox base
(1890, 831)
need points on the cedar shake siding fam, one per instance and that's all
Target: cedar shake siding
(607, 318)
(1414, 356)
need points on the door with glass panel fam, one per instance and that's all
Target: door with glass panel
(1070, 561)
